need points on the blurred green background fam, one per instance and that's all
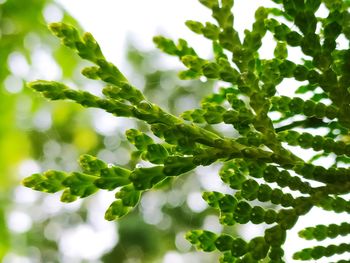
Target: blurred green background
(36, 135)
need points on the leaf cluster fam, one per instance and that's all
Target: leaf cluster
(257, 165)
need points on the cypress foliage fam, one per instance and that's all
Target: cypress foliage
(254, 159)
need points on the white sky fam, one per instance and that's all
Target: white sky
(111, 21)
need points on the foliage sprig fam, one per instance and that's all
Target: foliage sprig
(257, 157)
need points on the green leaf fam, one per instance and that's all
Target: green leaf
(156, 153)
(139, 139)
(166, 45)
(50, 181)
(50, 89)
(80, 184)
(123, 91)
(275, 236)
(129, 195)
(281, 50)
(258, 248)
(239, 247)
(212, 198)
(34, 181)
(211, 70)
(145, 178)
(224, 242)
(227, 203)
(195, 26)
(202, 239)
(176, 165)
(112, 178)
(116, 210)
(68, 197)
(211, 31)
(91, 165)
(67, 33)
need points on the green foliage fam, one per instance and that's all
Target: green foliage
(253, 160)
(23, 34)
